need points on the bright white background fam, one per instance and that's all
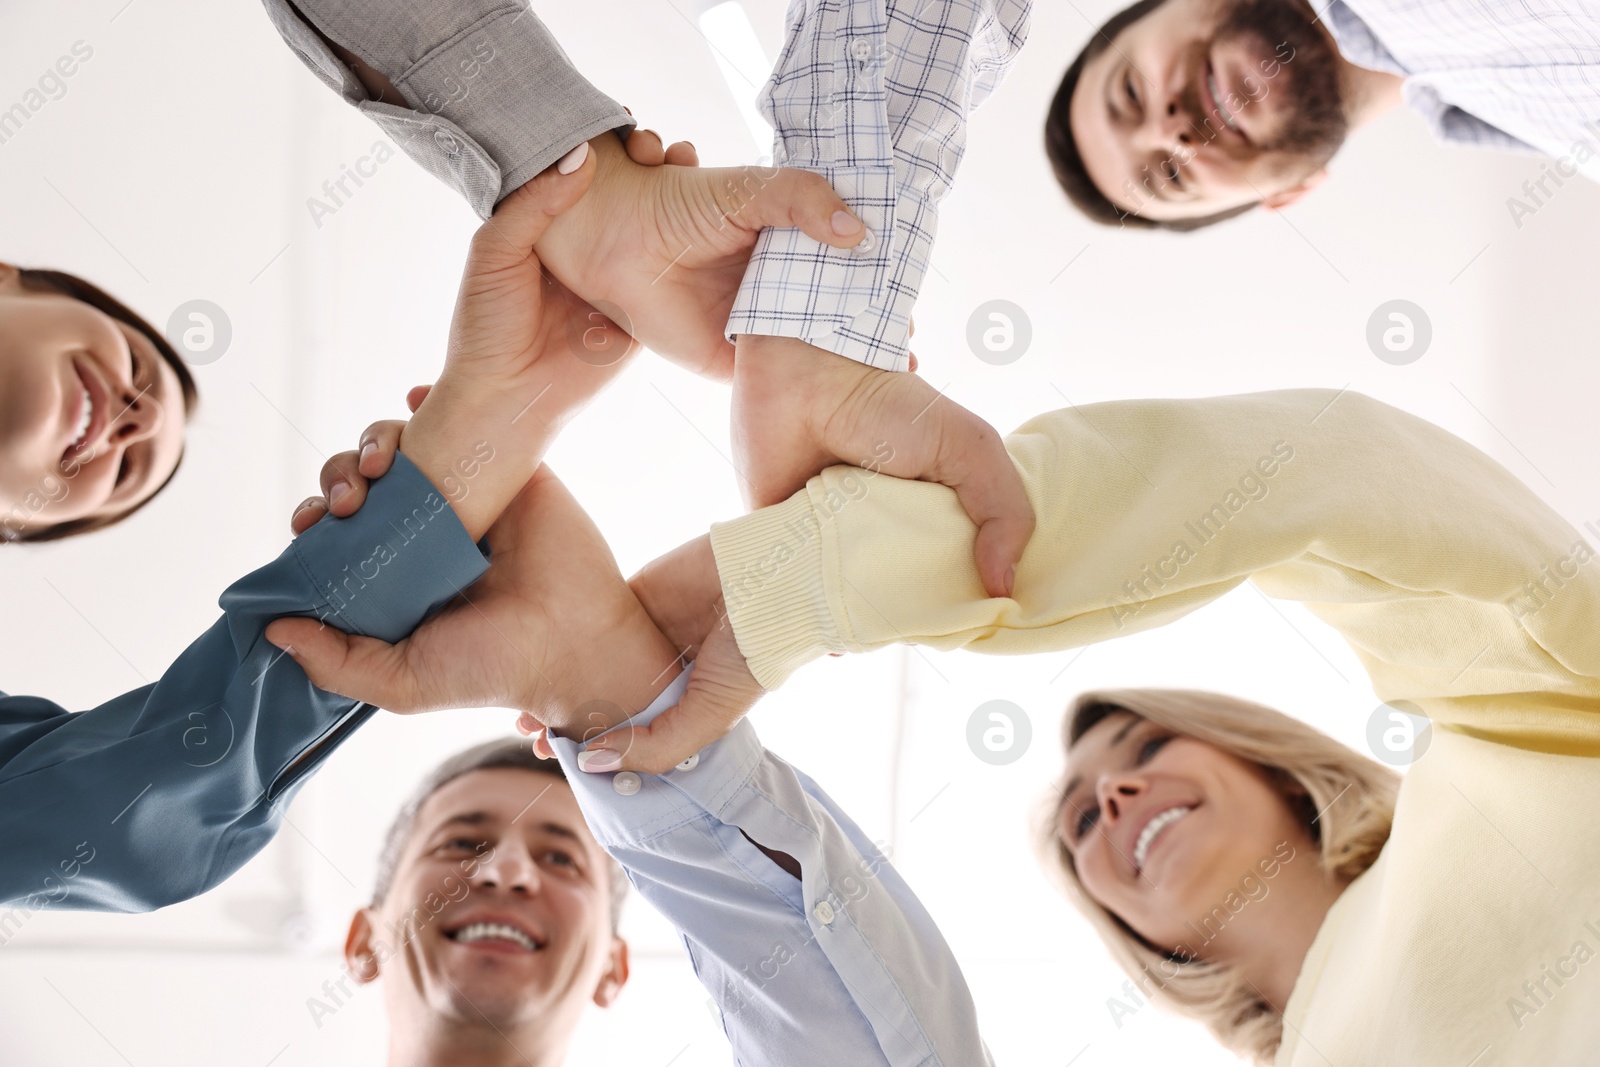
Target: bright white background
(178, 165)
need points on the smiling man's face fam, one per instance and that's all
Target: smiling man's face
(499, 912)
(1205, 105)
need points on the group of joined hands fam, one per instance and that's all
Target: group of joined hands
(552, 629)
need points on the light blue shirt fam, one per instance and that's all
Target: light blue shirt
(1521, 75)
(159, 794)
(842, 968)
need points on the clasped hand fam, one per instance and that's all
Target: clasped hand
(552, 629)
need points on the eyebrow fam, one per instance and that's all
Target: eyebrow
(481, 818)
(1077, 779)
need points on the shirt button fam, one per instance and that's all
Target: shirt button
(626, 782)
(861, 48)
(447, 141)
(868, 242)
(691, 763)
(824, 913)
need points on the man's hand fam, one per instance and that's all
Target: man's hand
(798, 409)
(551, 629)
(663, 248)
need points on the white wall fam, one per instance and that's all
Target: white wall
(178, 165)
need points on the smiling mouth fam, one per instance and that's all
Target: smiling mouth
(1214, 96)
(1152, 830)
(479, 933)
(91, 415)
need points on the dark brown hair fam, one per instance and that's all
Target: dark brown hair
(1067, 161)
(70, 285)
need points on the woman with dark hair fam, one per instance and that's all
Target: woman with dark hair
(92, 407)
(160, 793)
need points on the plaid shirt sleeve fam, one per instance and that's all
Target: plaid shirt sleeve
(873, 95)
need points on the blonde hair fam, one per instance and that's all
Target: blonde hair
(1354, 795)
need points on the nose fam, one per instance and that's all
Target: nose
(1115, 792)
(509, 868)
(140, 418)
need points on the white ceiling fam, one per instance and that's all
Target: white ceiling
(177, 165)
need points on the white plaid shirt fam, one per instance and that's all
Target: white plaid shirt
(873, 95)
(1515, 74)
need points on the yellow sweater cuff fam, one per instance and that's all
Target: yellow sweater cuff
(771, 565)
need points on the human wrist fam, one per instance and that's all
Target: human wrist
(612, 685)
(466, 446)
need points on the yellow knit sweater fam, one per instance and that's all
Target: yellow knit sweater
(1475, 938)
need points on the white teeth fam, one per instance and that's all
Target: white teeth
(486, 931)
(1211, 80)
(84, 419)
(1141, 847)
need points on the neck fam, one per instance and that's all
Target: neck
(427, 1040)
(1366, 93)
(1269, 946)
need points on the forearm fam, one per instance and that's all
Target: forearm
(488, 99)
(812, 947)
(175, 785)
(635, 666)
(1412, 543)
(896, 82)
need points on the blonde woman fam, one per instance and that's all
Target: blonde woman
(1451, 919)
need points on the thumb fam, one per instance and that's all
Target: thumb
(720, 692)
(359, 668)
(974, 462)
(520, 219)
(794, 198)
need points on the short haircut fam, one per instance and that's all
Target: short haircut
(504, 754)
(70, 285)
(1067, 161)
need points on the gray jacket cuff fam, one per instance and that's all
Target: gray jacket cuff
(494, 100)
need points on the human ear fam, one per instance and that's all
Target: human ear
(360, 958)
(611, 983)
(1280, 200)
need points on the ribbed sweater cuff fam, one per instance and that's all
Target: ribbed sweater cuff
(779, 601)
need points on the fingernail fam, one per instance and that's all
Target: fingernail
(309, 502)
(368, 449)
(845, 224)
(339, 489)
(1011, 579)
(599, 760)
(573, 159)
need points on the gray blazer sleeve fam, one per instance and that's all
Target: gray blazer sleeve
(494, 99)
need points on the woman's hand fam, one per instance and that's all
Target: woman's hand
(346, 476)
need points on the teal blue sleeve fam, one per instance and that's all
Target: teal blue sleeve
(160, 794)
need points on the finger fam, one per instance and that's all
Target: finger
(357, 668)
(912, 367)
(416, 395)
(379, 443)
(508, 236)
(974, 462)
(720, 692)
(758, 198)
(683, 154)
(343, 485)
(644, 147)
(307, 514)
